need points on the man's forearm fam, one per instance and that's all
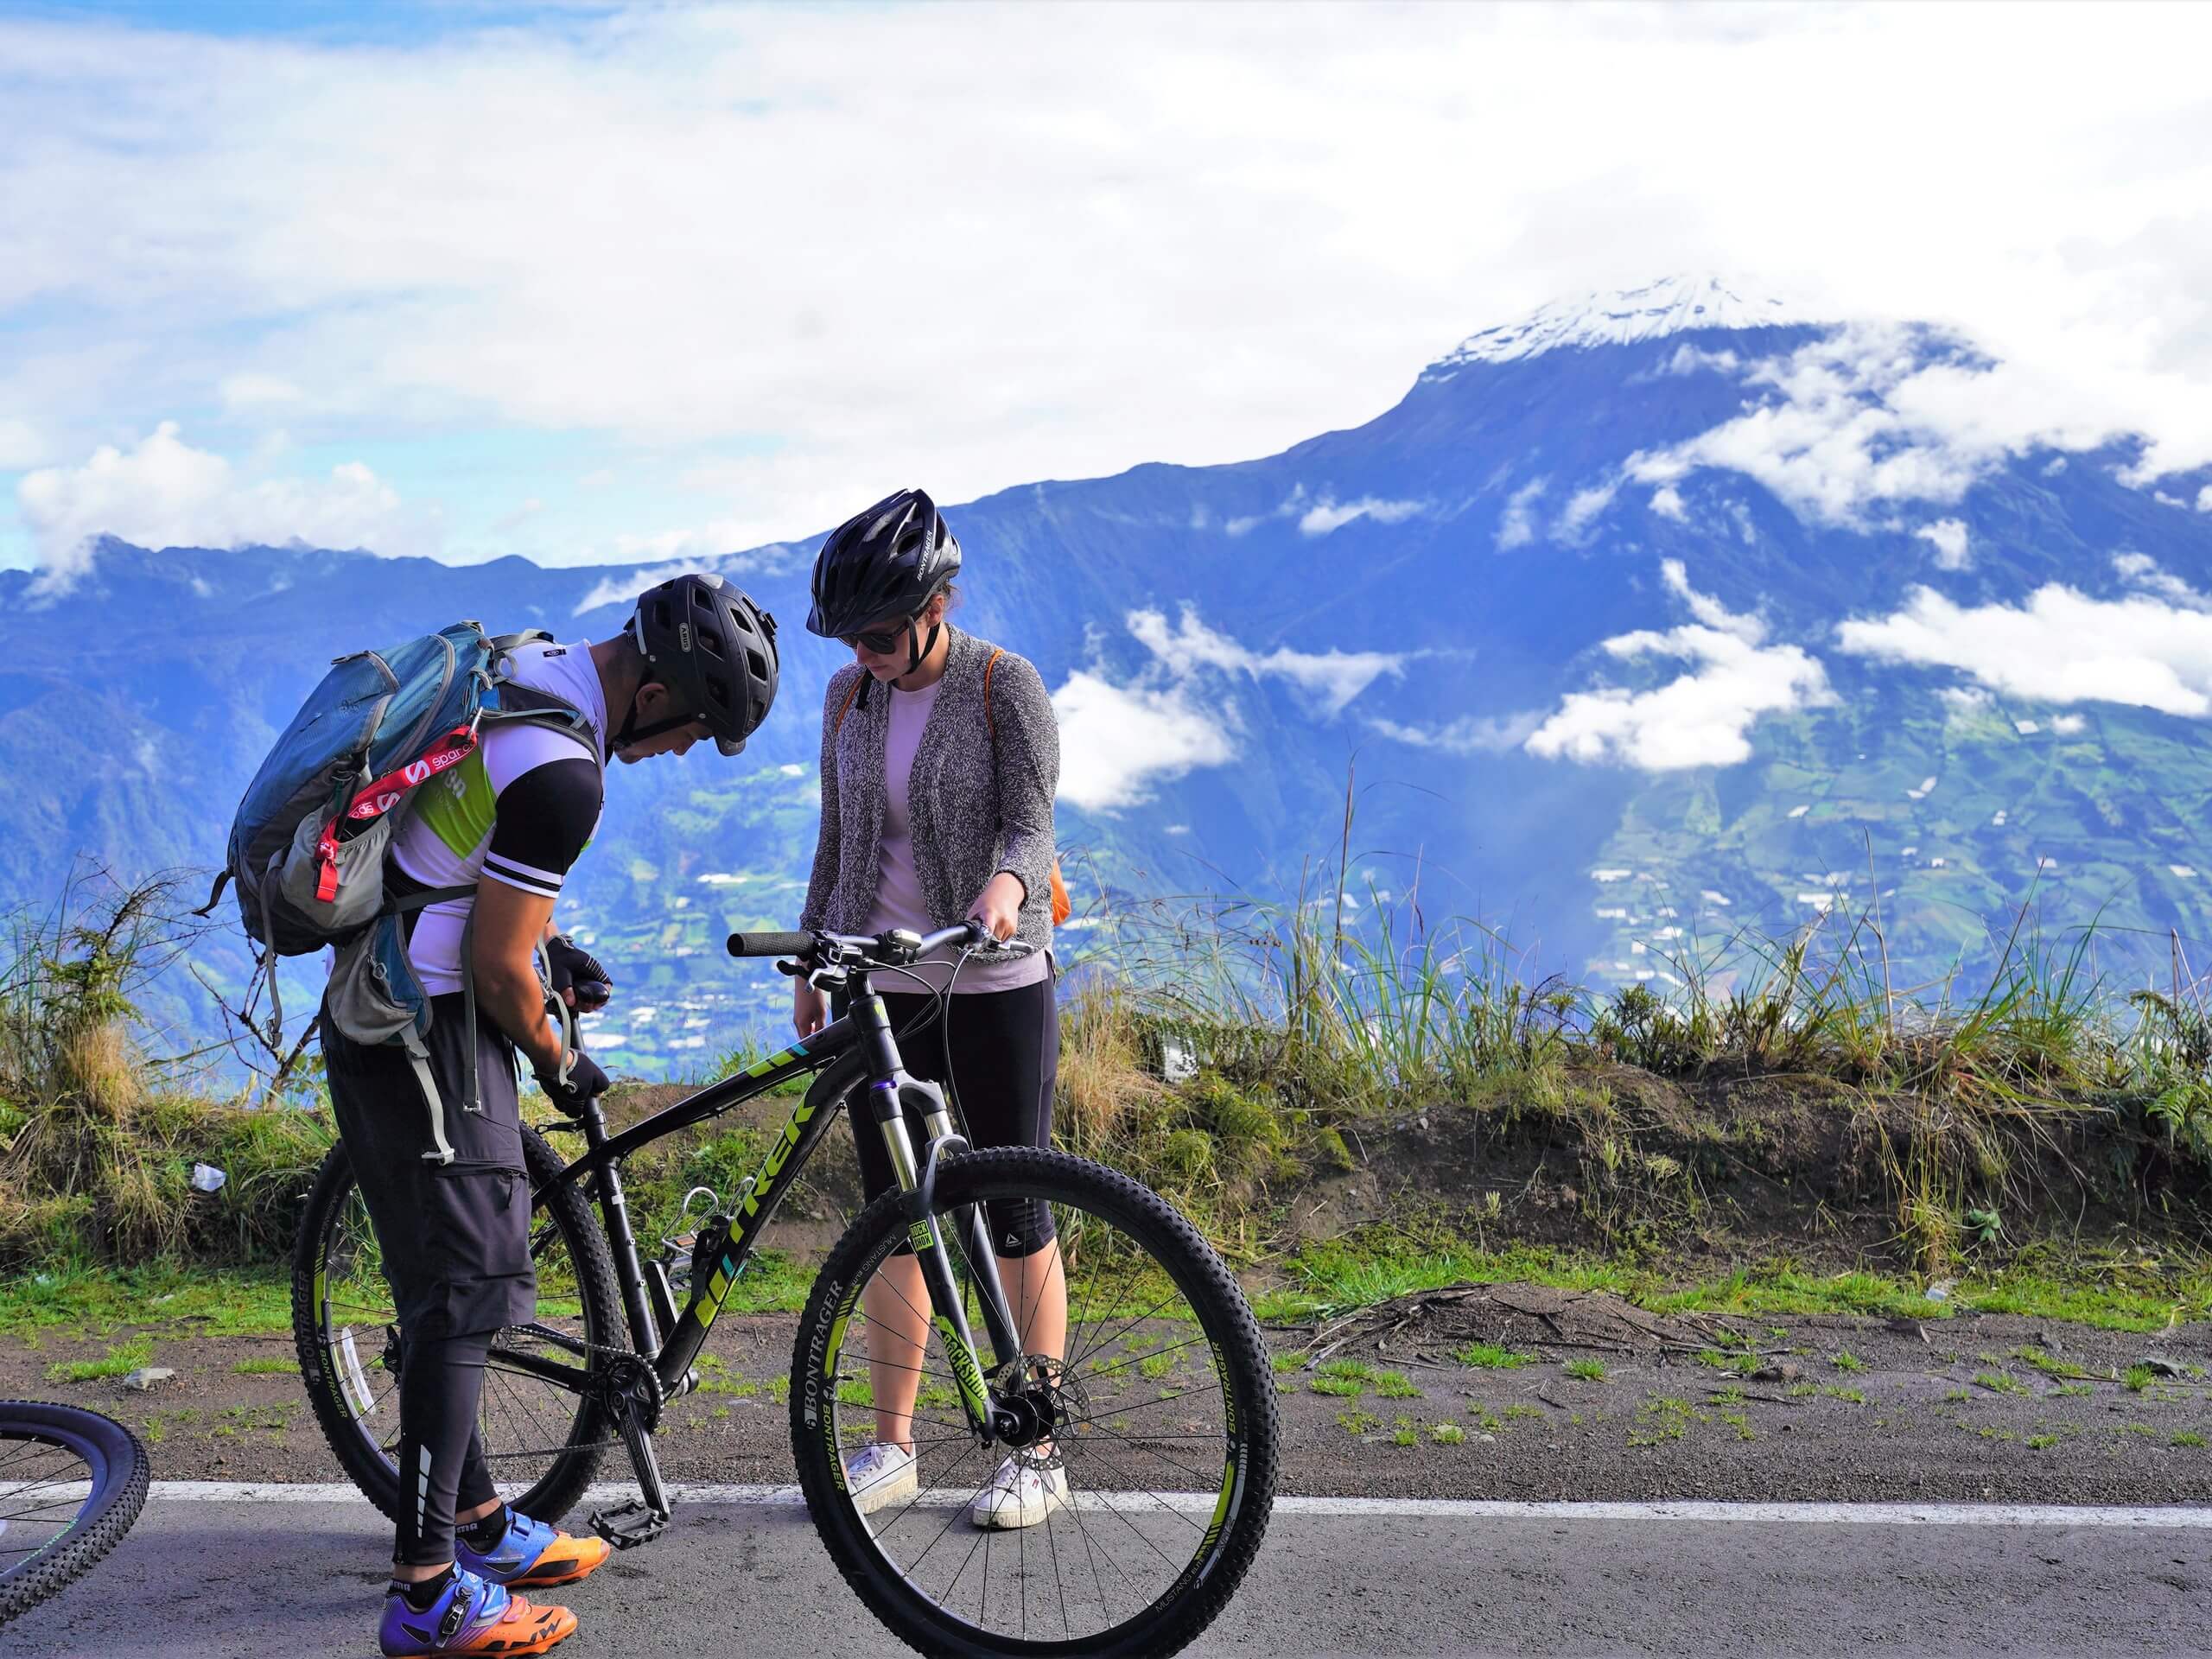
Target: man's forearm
(515, 1003)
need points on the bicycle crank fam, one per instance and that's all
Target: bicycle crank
(629, 1391)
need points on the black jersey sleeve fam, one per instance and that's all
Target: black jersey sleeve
(542, 821)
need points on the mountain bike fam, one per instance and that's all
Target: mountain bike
(1150, 1424)
(72, 1482)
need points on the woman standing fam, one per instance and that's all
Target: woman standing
(940, 758)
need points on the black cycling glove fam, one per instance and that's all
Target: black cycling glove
(585, 1083)
(575, 969)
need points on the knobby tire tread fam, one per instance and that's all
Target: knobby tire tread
(841, 1527)
(114, 1508)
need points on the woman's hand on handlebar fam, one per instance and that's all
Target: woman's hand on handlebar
(810, 1009)
(998, 907)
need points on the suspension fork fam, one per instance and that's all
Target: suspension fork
(886, 1096)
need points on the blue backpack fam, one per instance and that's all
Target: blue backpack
(309, 845)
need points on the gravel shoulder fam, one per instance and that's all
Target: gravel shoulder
(1826, 1407)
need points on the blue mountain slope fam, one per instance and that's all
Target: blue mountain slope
(1640, 623)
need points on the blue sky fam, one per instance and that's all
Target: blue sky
(605, 284)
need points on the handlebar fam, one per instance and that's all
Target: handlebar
(869, 949)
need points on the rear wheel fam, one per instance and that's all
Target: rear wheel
(1156, 1423)
(538, 1434)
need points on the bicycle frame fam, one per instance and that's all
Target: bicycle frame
(857, 1048)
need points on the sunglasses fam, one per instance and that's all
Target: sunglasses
(880, 641)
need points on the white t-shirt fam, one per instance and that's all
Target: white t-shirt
(518, 812)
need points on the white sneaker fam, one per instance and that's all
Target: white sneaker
(877, 1474)
(1020, 1496)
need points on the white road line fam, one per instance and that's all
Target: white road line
(1827, 1515)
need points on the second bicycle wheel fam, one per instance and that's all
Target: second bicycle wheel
(1147, 1466)
(71, 1484)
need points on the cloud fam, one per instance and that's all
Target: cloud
(1121, 738)
(1949, 537)
(164, 492)
(1861, 418)
(1118, 742)
(1469, 734)
(1690, 359)
(1327, 514)
(687, 552)
(1581, 507)
(2141, 570)
(1518, 527)
(1701, 718)
(2060, 646)
(20, 446)
(1332, 678)
(2204, 499)
(1667, 502)
(653, 238)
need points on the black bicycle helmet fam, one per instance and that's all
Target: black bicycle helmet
(881, 564)
(715, 649)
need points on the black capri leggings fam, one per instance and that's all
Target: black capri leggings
(1005, 1050)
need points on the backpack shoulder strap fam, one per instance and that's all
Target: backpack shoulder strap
(838, 725)
(990, 721)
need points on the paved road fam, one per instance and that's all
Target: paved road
(212, 1577)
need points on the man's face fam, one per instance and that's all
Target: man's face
(655, 705)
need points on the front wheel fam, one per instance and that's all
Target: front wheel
(1150, 1443)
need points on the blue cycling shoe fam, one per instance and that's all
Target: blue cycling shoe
(533, 1555)
(471, 1616)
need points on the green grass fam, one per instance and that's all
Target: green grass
(1371, 1265)
(272, 1366)
(1344, 1388)
(2139, 1378)
(2000, 1382)
(1489, 1357)
(1404, 1434)
(2049, 1364)
(1586, 1371)
(1448, 1433)
(1849, 1396)
(1357, 1423)
(2187, 1437)
(116, 1362)
(1394, 1385)
(2041, 1442)
(92, 1301)
(1844, 1360)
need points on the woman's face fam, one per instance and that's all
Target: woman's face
(888, 666)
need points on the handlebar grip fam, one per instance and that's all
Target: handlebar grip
(771, 944)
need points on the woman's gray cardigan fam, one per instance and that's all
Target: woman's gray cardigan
(975, 807)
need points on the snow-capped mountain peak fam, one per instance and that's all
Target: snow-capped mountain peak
(1622, 317)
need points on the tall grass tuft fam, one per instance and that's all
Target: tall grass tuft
(95, 1157)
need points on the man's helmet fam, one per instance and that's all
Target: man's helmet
(715, 649)
(881, 565)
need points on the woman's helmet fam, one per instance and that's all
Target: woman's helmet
(881, 565)
(715, 650)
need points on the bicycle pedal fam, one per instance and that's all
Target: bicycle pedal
(628, 1525)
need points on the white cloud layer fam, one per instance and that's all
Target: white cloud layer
(162, 492)
(1949, 537)
(1120, 740)
(1327, 514)
(1469, 734)
(2060, 646)
(1333, 677)
(1701, 718)
(1153, 233)
(1853, 422)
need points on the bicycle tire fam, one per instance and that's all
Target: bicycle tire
(554, 1492)
(1199, 1596)
(120, 1474)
